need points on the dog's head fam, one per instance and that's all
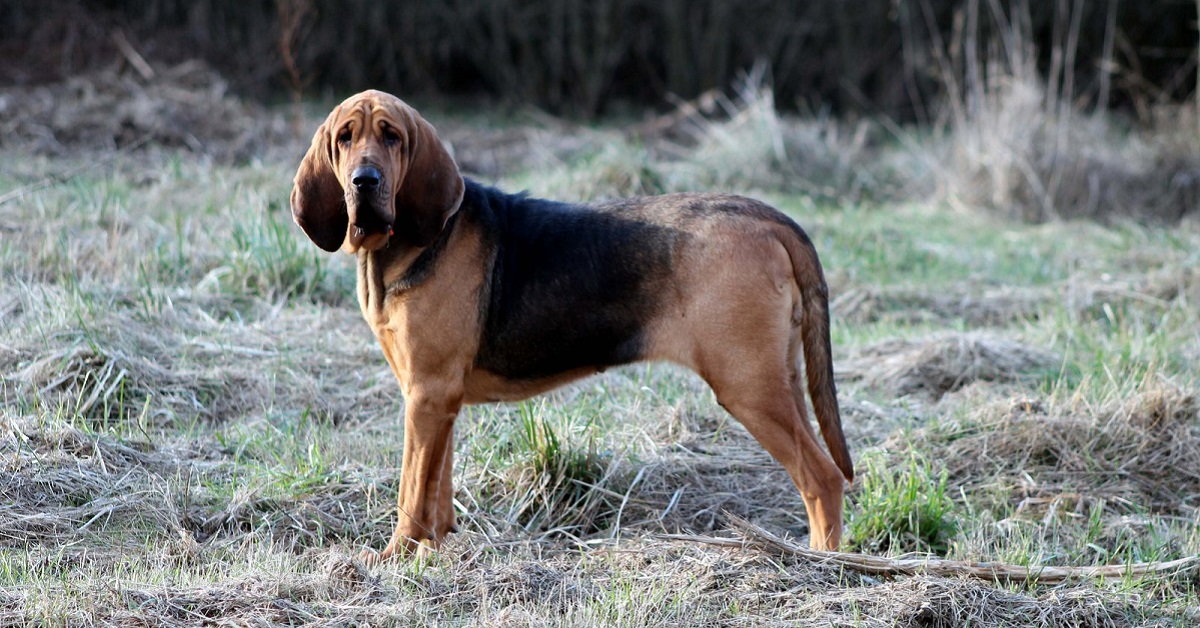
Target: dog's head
(375, 171)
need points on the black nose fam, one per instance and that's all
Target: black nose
(366, 177)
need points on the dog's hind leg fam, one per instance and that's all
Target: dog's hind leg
(771, 416)
(762, 390)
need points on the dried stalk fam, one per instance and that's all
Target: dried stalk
(757, 538)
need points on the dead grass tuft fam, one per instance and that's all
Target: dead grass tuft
(734, 143)
(127, 370)
(296, 513)
(742, 143)
(696, 484)
(1126, 455)
(57, 482)
(940, 592)
(617, 170)
(1017, 158)
(944, 363)
(191, 362)
(544, 474)
(950, 602)
(258, 600)
(566, 484)
(550, 585)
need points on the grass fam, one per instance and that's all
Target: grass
(902, 510)
(196, 425)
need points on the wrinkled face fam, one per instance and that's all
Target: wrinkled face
(375, 175)
(369, 142)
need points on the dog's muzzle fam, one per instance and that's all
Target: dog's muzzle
(371, 218)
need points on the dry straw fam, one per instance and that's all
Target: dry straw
(945, 362)
(1139, 450)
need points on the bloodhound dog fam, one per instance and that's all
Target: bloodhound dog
(480, 296)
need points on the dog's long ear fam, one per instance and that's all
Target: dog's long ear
(318, 201)
(432, 189)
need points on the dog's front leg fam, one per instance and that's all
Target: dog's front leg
(425, 506)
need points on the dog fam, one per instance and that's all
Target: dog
(480, 296)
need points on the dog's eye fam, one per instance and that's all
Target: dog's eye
(390, 137)
(344, 137)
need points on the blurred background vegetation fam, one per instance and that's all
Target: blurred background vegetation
(1031, 109)
(587, 57)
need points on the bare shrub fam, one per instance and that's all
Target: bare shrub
(1019, 143)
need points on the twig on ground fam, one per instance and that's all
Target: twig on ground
(755, 537)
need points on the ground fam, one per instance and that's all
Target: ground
(197, 427)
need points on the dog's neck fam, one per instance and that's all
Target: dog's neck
(394, 270)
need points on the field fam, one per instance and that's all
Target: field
(198, 428)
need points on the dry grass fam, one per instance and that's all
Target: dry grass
(1131, 455)
(993, 307)
(1011, 156)
(196, 426)
(736, 142)
(936, 366)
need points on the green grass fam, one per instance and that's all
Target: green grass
(195, 421)
(268, 262)
(901, 510)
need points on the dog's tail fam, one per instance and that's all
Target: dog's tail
(818, 354)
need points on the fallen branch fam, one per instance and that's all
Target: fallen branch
(135, 59)
(755, 537)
